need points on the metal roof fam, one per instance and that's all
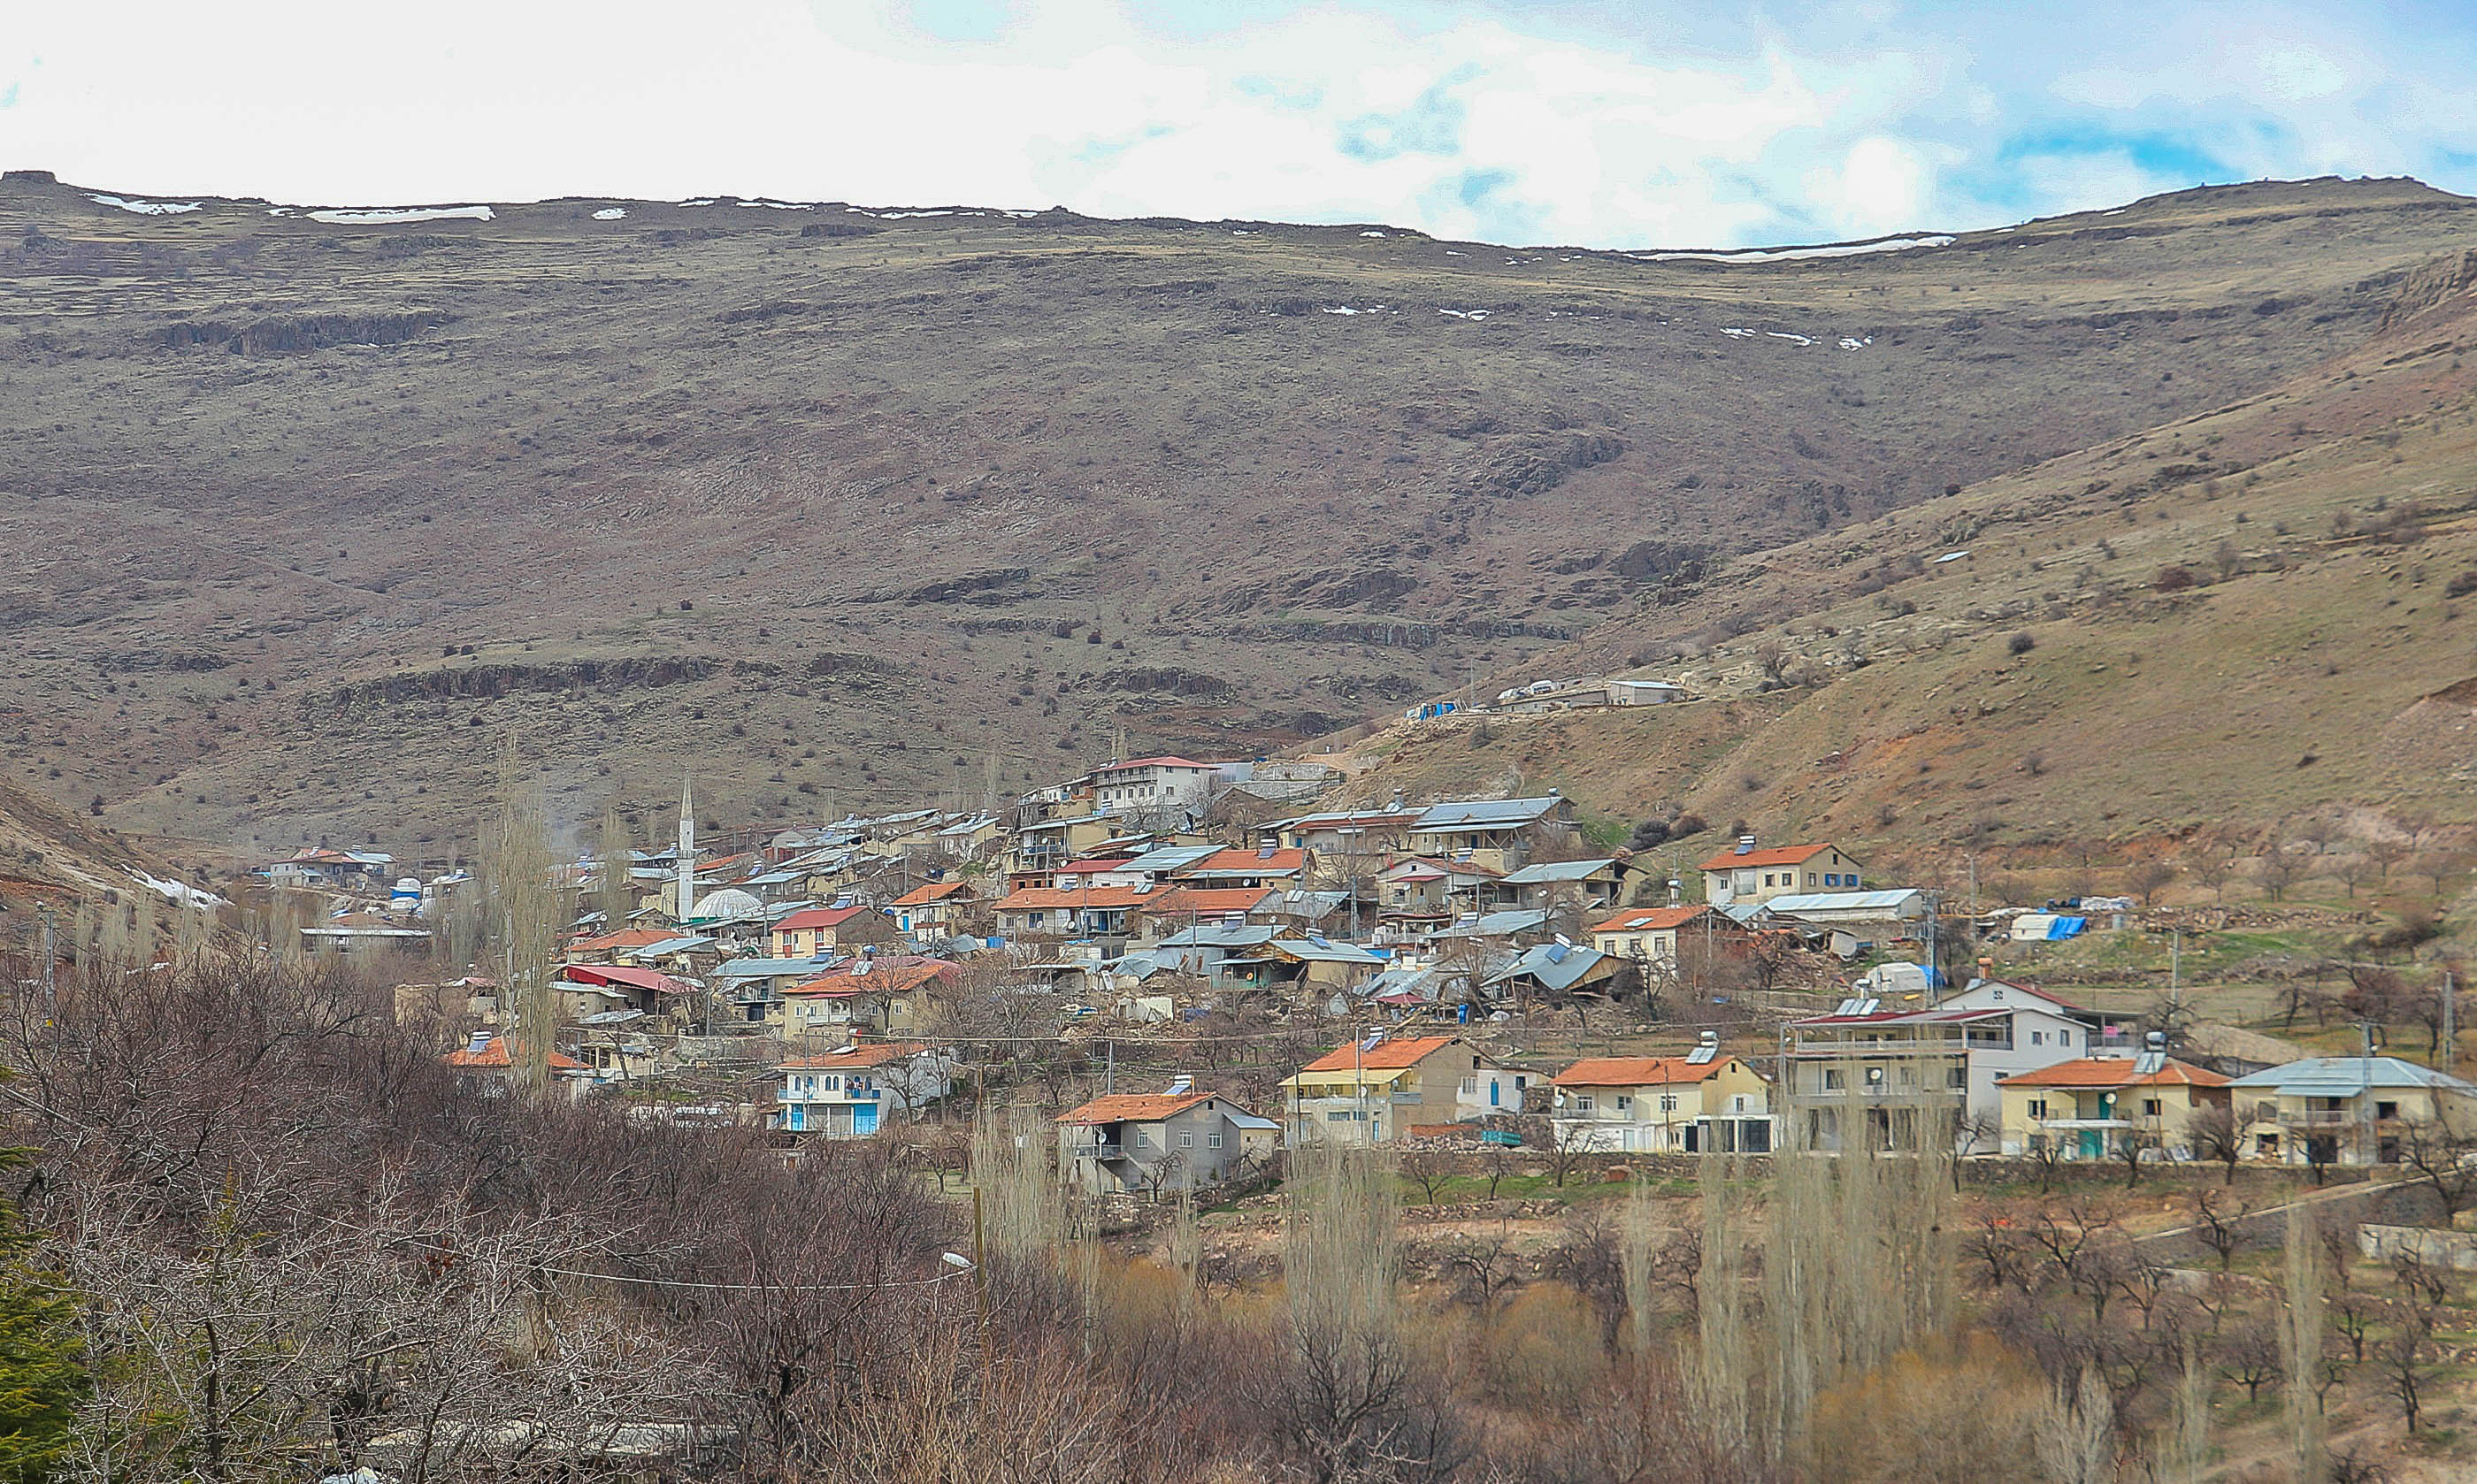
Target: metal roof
(1553, 964)
(2344, 1077)
(1486, 813)
(1220, 935)
(1493, 924)
(1556, 871)
(765, 968)
(1843, 900)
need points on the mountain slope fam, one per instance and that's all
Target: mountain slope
(836, 506)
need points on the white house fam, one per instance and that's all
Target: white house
(1861, 1065)
(1745, 874)
(1152, 783)
(851, 1092)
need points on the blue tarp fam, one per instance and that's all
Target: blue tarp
(2067, 928)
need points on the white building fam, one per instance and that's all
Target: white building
(1152, 783)
(853, 1091)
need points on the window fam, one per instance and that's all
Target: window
(2038, 1038)
(1768, 878)
(2064, 1038)
(1143, 1139)
(1585, 1103)
(2149, 1108)
(1834, 1078)
(2386, 1110)
(1186, 1141)
(1832, 878)
(1956, 1077)
(1624, 1103)
(1336, 1118)
(1809, 878)
(2038, 1107)
(1212, 1140)
(1669, 1102)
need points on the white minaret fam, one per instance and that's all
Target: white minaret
(688, 850)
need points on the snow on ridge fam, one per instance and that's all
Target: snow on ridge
(1464, 313)
(611, 213)
(146, 208)
(1371, 234)
(896, 216)
(780, 206)
(181, 891)
(391, 215)
(1792, 254)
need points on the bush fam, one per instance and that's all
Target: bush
(2172, 580)
(1686, 825)
(2022, 642)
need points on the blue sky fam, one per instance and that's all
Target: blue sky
(1575, 121)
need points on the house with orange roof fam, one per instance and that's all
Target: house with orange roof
(486, 1064)
(609, 945)
(1057, 912)
(1647, 936)
(880, 992)
(2089, 1105)
(1265, 865)
(1699, 1104)
(819, 932)
(1182, 907)
(854, 1091)
(1372, 1091)
(1745, 874)
(932, 909)
(1155, 1142)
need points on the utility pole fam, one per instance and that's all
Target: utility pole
(2450, 1016)
(2366, 1093)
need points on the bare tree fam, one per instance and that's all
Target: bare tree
(2217, 1227)
(2401, 1359)
(1431, 1170)
(2440, 1154)
(2217, 1135)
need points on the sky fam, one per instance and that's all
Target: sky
(1581, 122)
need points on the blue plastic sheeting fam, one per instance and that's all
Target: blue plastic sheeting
(2067, 928)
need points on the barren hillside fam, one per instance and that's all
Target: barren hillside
(836, 505)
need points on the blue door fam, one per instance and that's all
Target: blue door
(865, 1118)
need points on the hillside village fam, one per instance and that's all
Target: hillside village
(1189, 965)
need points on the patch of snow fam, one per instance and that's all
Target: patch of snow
(780, 206)
(896, 216)
(1856, 342)
(1951, 557)
(1019, 213)
(146, 208)
(1371, 234)
(182, 893)
(2000, 230)
(611, 213)
(699, 201)
(1345, 308)
(1783, 335)
(1240, 232)
(1743, 335)
(2115, 211)
(396, 215)
(1465, 313)
(1450, 253)
(278, 211)
(1791, 253)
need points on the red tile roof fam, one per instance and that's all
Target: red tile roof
(1406, 1052)
(872, 1053)
(1650, 919)
(933, 891)
(1638, 1071)
(1137, 1108)
(1212, 900)
(1034, 898)
(495, 1054)
(2115, 1072)
(884, 976)
(818, 917)
(1777, 855)
(653, 979)
(613, 942)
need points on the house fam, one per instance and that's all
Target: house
(1048, 843)
(1143, 784)
(1152, 1142)
(318, 867)
(2350, 1110)
(884, 993)
(1699, 1104)
(591, 989)
(1624, 692)
(933, 910)
(1498, 834)
(1187, 906)
(1313, 962)
(1372, 1091)
(1057, 912)
(1592, 886)
(486, 1064)
(1348, 843)
(1203, 947)
(365, 932)
(1268, 865)
(1868, 1072)
(851, 1092)
(1648, 935)
(819, 932)
(753, 987)
(1747, 875)
(2088, 1105)
(1418, 886)
(1554, 971)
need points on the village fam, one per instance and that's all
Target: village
(1188, 966)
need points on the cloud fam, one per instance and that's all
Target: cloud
(1584, 121)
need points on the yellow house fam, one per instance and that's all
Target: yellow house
(1373, 1093)
(2350, 1110)
(2089, 1104)
(1696, 1105)
(1648, 935)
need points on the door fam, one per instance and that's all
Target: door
(2093, 1144)
(865, 1118)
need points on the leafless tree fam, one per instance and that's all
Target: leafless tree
(2440, 1154)
(2217, 1135)
(2217, 1227)
(2249, 1354)
(1482, 1270)
(1431, 1170)
(2401, 1356)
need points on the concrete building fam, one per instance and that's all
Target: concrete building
(1748, 875)
(1155, 1142)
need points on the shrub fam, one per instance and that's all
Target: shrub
(2021, 643)
(2172, 580)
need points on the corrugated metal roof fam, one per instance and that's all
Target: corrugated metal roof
(1486, 813)
(1553, 964)
(1556, 871)
(1493, 924)
(1843, 900)
(2344, 1077)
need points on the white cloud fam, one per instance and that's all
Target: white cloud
(1509, 124)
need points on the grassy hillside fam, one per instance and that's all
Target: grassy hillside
(2249, 624)
(838, 506)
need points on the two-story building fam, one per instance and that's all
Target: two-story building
(1745, 875)
(1501, 834)
(1585, 885)
(932, 910)
(821, 932)
(1647, 936)
(853, 1092)
(1372, 1091)
(1143, 784)
(1057, 912)
(1699, 1104)
(2088, 1105)
(1155, 1142)
(2348, 1110)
